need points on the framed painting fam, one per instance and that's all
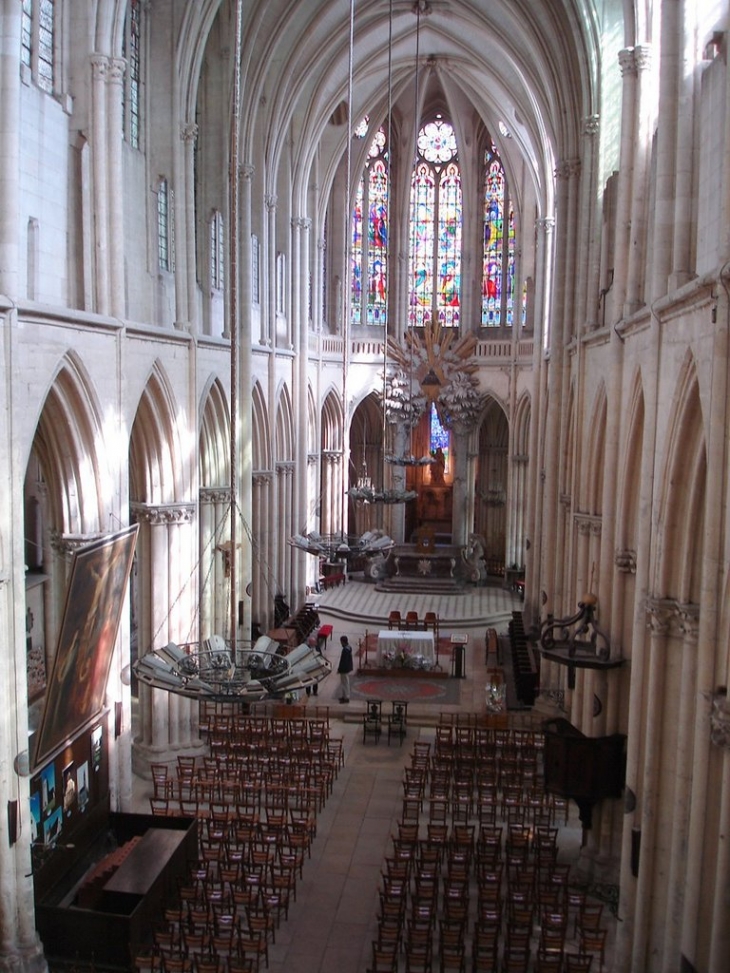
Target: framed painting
(80, 670)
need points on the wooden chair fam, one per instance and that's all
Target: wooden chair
(394, 620)
(573, 963)
(254, 948)
(372, 721)
(593, 941)
(431, 620)
(589, 917)
(384, 960)
(412, 622)
(398, 720)
(548, 962)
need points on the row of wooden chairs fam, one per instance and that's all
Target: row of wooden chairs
(504, 876)
(409, 621)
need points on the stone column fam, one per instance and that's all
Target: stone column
(21, 950)
(684, 158)
(617, 293)
(245, 404)
(687, 624)
(268, 321)
(186, 269)
(9, 146)
(100, 191)
(534, 571)
(517, 510)
(634, 297)
(588, 246)
(670, 66)
(300, 323)
(659, 618)
(561, 321)
(459, 525)
(115, 136)
(164, 723)
(263, 578)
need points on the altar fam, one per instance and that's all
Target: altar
(392, 644)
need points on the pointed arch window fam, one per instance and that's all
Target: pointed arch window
(434, 258)
(38, 39)
(369, 253)
(498, 255)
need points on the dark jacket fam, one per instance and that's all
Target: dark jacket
(345, 659)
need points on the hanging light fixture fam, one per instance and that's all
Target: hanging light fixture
(412, 406)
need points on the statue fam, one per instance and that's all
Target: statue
(437, 467)
(473, 554)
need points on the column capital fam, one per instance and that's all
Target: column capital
(625, 561)
(667, 616)
(627, 62)
(567, 169)
(301, 223)
(189, 132)
(546, 224)
(99, 66)
(585, 524)
(591, 125)
(116, 70)
(164, 513)
(67, 544)
(270, 202)
(246, 171)
(643, 57)
(215, 494)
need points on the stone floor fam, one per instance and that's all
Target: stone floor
(333, 922)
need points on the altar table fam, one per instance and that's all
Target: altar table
(411, 643)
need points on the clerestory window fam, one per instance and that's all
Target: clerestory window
(37, 36)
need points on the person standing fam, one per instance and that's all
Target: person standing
(345, 668)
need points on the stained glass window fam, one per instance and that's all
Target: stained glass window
(439, 437)
(369, 254)
(435, 228)
(498, 255)
(132, 89)
(217, 254)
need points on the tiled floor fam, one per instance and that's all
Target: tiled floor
(333, 922)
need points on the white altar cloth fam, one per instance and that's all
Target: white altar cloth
(410, 643)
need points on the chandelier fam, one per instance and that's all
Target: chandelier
(334, 547)
(216, 671)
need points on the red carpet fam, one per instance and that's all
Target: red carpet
(417, 690)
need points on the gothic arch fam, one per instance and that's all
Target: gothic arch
(67, 445)
(260, 438)
(519, 473)
(214, 438)
(284, 429)
(682, 495)
(155, 452)
(214, 450)
(492, 478)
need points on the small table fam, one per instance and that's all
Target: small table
(409, 643)
(325, 631)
